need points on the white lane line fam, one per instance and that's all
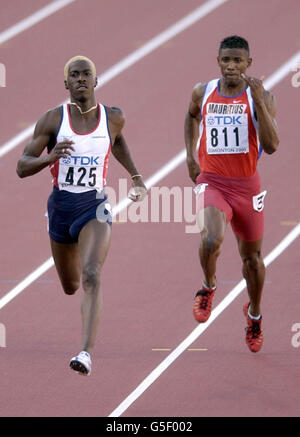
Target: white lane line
(156, 177)
(156, 373)
(33, 19)
(130, 60)
(269, 83)
(26, 282)
(168, 168)
(276, 77)
(161, 38)
(282, 71)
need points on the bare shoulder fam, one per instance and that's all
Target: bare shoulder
(198, 92)
(116, 116)
(44, 133)
(49, 122)
(196, 100)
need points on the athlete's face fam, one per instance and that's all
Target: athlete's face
(81, 80)
(233, 62)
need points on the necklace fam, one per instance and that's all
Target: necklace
(80, 110)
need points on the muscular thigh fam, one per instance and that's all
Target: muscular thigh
(213, 211)
(67, 263)
(93, 243)
(212, 222)
(247, 223)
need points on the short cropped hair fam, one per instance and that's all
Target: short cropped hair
(78, 58)
(234, 42)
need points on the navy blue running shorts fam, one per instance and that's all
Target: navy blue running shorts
(69, 212)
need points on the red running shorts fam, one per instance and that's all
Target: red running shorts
(241, 200)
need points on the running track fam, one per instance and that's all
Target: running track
(152, 271)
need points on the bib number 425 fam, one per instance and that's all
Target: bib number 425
(81, 176)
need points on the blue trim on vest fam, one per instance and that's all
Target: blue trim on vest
(203, 98)
(105, 108)
(61, 119)
(229, 97)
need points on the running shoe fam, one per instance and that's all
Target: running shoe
(254, 334)
(82, 363)
(203, 303)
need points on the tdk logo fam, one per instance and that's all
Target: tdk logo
(82, 160)
(210, 121)
(227, 119)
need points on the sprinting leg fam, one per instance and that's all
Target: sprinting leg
(212, 224)
(253, 272)
(93, 243)
(67, 263)
(213, 227)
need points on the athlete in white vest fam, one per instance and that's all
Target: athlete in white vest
(85, 169)
(79, 137)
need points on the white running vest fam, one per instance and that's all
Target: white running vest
(86, 168)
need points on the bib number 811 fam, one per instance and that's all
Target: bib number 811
(81, 177)
(215, 138)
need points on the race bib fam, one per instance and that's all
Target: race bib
(81, 171)
(226, 134)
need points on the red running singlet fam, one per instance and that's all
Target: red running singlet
(229, 144)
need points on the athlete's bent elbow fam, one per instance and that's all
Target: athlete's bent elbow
(20, 172)
(271, 147)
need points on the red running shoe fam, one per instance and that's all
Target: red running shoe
(202, 304)
(254, 334)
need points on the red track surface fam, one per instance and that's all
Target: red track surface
(152, 270)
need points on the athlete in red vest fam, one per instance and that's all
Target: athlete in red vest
(232, 120)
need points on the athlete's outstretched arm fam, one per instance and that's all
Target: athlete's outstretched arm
(31, 161)
(265, 108)
(121, 152)
(191, 130)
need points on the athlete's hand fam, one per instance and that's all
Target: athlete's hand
(138, 191)
(256, 87)
(194, 169)
(61, 150)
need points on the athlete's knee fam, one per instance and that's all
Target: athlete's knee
(91, 277)
(254, 262)
(211, 242)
